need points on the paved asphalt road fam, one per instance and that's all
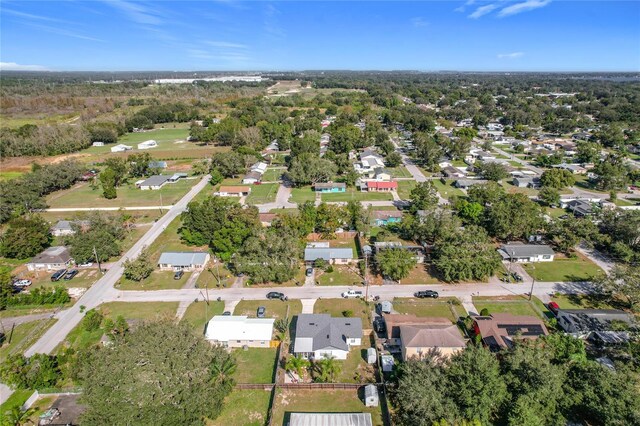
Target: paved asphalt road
(103, 291)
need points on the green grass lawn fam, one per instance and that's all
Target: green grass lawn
(399, 172)
(420, 275)
(511, 188)
(244, 408)
(199, 313)
(515, 305)
(447, 190)
(582, 301)
(81, 195)
(336, 307)
(17, 399)
(320, 401)
(355, 368)
(275, 308)
(262, 194)
(440, 307)
(24, 335)
(341, 275)
(10, 175)
(579, 269)
(272, 175)
(405, 187)
(158, 280)
(214, 276)
(300, 195)
(140, 310)
(255, 365)
(354, 194)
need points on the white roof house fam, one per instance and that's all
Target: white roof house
(148, 144)
(121, 148)
(183, 261)
(330, 419)
(239, 330)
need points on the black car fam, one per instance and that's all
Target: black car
(58, 274)
(276, 295)
(426, 293)
(379, 325)
(226, 314)
(309, 272)
(178, 275)
(69, 275)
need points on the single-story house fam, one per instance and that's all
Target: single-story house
(252, 177)
(183, 261)
(468, 183)
(334, 255)
(267, 218)
(236, 331)
(526, 253)
(526, 182)
(322, 336)
(65, 227)
(385, 217)
(576, 169)
(56, 257)
(330, 419)
(581, 208)
(381, 174)
(148, 144)
(121, 148)
(233, 191)
(259, 167)
(330, 187)
(499, 331)
(584, 321)
(450, 171)
(376, 186)
(154, 182)
(177, 176)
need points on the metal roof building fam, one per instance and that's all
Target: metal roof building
(330, 419)
(239, 330)
(327, 253)
(154, 182)
(183, 260)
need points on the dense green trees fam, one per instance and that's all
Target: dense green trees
(492, 171)
(513, 216)
(395, 263)
(424, 196)
(557, 178)
(308, 168)
(138, 268)
(273, 256)
(102, 234)
(42, 140)
(229, 164)
(623, 281)
(161, 374)
(25, 237)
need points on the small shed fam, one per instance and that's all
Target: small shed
(387, 363)
(371, 398)
(372, 357)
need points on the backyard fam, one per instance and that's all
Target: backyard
(82, 195)
(255, 365)
(244, 408)
(262, 194)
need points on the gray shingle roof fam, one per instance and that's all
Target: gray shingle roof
(182, 258)
(156, 180)
(313, 253)
(526, 250)
(328, 332)
(53, 255)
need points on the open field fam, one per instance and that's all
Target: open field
(321, 401)
(405, 187)
(579, 269)
(420, 275)
(300, 195)
(272, 175)
(255, 365)
(24, 335)
(338, 308)
(262, 194)
(399, 172)
(140, 310)
(515, 305)
(244, 408)
(447, 190)
(158, 280)
(354, 194)
(441, 307)
(341, 275)
(274, 308)
(82, 195)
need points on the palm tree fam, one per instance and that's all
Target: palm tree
(17, 416)
(297, 364)
(222, 372)
(327, 369)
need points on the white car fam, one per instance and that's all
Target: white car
(22, 283)
(352, 294)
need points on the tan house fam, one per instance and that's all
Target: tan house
(420, 336)
(499, 331)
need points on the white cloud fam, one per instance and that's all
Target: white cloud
(523, 7)
(12, 66)
(464, 6)
(137, 12)
(513, 55)
(226, 45)
(419, 21)
(483, 10)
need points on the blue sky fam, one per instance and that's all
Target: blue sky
(499, 35)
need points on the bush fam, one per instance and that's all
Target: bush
(329, 269)
(92, 320)
(484, 312)
(348, 313)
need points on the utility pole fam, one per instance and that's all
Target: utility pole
(95, 253)
(366, 281)
(533, 282)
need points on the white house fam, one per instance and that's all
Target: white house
(183, 261)
(322, 336)
(148, 144)
(236, 331)
(369, 161)
(97, 143)
(526, 253)
(121, 148)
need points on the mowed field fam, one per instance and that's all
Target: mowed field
(82, 195)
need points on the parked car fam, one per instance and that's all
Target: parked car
(22, 283)
(69, 275)
(553, 307)
(85, 265)
(178, 275)
(309, 272)
(379, 325)
(426, 293)
(58, 274)
(517, 277)
(351, 294)
(261, 311)
(226, 314)
(276, 295)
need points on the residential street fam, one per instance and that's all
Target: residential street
(103, 291)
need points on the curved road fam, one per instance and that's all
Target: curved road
(103, 291)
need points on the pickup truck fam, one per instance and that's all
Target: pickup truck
(352, 294)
